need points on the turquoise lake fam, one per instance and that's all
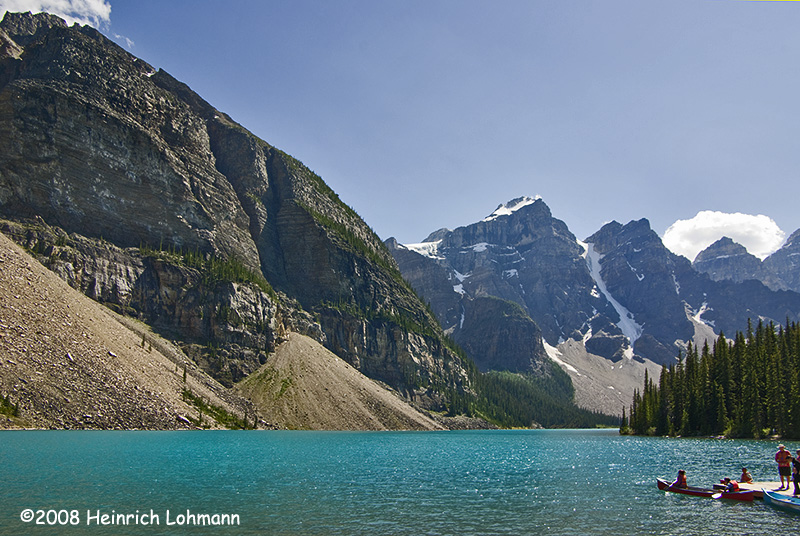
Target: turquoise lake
(555, 482)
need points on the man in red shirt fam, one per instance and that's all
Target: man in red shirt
(784, 459)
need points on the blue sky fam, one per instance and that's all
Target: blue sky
(428, 114)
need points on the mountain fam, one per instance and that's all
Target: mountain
(782, 268)
(523, 255)
(620, 294)
(515, 290)
(144, 197)
(672, 302)
(725, 260)
(520, 254)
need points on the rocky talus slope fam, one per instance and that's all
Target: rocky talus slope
(68, 362)
(332, 394)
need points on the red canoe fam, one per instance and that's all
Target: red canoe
(704, 492)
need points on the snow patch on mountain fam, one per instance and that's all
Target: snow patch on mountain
(506, 209)
(426, 249)
(556, 355)
(629, 327)
(587, 335)
(703, 329)
(698, 315)
(459, 287)
(639, 276)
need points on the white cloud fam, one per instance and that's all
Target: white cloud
(128, 42)
(759, 234)
(95, 13)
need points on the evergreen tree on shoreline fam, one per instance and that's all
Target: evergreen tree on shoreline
(748, 388)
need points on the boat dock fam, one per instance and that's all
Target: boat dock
(769, 486)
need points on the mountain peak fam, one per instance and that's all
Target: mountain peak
(726, 259)
(24, 28)
(613, 234)
(795, 237)
(725, 246)
(506, 209)
(438, 235)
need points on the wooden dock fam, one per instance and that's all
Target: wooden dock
(769, 486)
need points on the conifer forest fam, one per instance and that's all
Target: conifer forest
(748, 387)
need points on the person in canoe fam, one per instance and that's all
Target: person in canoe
(784, 459)
(746, 477)
(680, 482)
(731, 485)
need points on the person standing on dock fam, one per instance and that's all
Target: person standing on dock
(784, 459)
(796, 474)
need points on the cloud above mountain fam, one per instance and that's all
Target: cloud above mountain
(759, 234)
(92, 12)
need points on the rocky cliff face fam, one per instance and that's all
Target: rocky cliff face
(145, 197)
(502, 336)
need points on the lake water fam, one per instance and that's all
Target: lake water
(555, 482)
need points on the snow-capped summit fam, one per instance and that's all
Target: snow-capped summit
(512, 206)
